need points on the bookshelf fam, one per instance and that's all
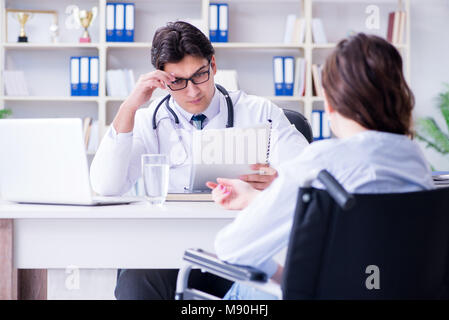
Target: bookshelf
(253, 43)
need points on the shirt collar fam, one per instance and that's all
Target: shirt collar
(210, 112)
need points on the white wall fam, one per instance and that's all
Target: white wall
(430, 63)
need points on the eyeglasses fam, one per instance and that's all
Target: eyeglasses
(197, 78)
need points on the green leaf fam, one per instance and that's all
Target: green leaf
(430, 132)
(443, 104)
(4, 113)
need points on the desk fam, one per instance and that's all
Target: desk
(138, 235)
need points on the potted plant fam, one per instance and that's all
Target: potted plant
(428, 130)
(4, 113)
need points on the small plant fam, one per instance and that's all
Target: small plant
(428, 130)
(4, 113)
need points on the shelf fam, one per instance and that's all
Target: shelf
(49, 98)
(333, 45)
(255, 45)
(61, 45)
(323, 46)
(285, 98)
(137, 45)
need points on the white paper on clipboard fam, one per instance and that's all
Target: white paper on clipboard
(227, 153)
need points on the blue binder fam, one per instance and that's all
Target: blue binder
(289, 76)
(74, 76)
(129, 23)
(317, 124)
(119, 25)
(223, 20)
(325, 126)
(278, 75)
(110, 22)
(94, 70)
(84, 76)
(213, 22)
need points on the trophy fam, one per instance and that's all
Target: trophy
(22, 17)
(82, 18)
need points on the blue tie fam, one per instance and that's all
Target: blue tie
(198, 121)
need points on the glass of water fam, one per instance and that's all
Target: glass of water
(155, 170)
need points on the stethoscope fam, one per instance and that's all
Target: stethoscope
(176, 159)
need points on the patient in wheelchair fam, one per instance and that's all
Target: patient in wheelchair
(369, 106)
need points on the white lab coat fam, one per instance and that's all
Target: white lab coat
(117, 163)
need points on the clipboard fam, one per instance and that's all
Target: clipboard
(227, 153)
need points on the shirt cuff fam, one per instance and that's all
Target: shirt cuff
(269, 267)
(118, 137)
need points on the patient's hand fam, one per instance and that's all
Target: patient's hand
(263, 179)
(232, 194)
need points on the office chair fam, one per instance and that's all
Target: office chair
(300, 122)
(361, 246)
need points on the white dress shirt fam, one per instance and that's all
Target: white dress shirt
(368, 162)
(117, 163)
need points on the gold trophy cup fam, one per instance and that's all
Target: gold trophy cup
(85, 19)
(22, 17)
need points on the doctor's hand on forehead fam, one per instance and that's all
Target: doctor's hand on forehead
(145, 86)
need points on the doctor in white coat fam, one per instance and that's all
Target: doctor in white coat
(185, 66)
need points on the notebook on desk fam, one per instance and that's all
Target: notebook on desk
(190, 197)
(44, 161)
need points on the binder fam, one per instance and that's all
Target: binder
(74, 76)
(84, 76)
(325, 126)
(129, 23)
(110, 19)
(317, 116)
(289, 79)
(93, 75)
(213, 22)
(278, 75)
(300, 76)
(319, 36)
(223, 19)
(119, 22)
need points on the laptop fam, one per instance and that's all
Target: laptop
(44, 161)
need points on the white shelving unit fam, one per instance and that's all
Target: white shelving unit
(249, 51)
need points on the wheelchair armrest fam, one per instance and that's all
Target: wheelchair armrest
(210, 263)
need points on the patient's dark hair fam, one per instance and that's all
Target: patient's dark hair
(363, 81)
(177, 39)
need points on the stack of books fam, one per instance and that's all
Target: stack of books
(15, 84)
(119, 82)
(317, 83)
(90, 129)
(227, 79)
(295, 30)
(396, 26)
(318, 34)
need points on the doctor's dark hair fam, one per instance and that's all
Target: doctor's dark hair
(363, 81)
(176, 40)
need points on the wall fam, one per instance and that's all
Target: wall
(430, 63)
